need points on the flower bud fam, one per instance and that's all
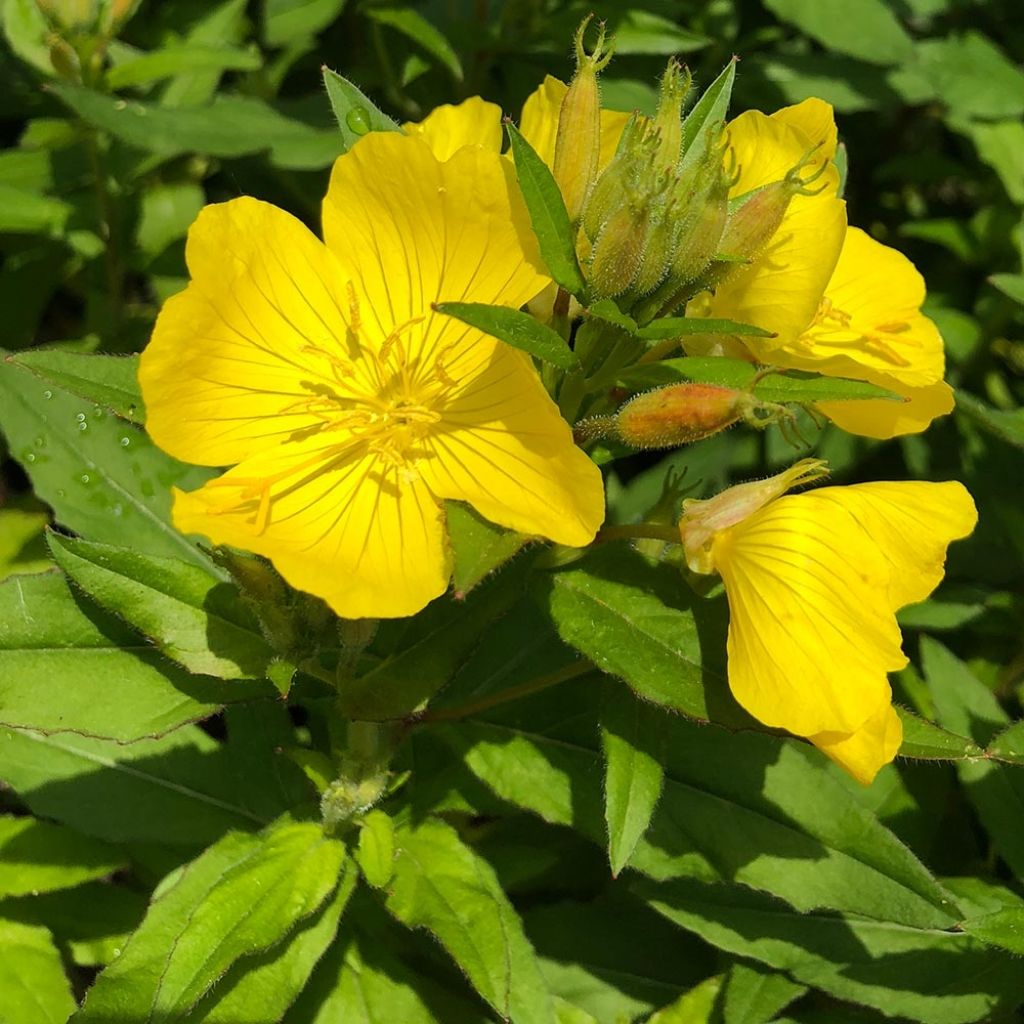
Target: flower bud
(668, 121)
(621, 178)
(70, 15)
(756, 217)
(618, 253)
(578, 142)
(678, 414)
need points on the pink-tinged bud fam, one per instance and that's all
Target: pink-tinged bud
(678, 414)
(578, 142)
(702, 519)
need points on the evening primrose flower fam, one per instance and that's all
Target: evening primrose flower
(814, 581)
(838, 302)
(348, 408)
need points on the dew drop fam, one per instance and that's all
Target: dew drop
(118, 509)
(85, 478)
(80, 417)
(40, 442)
(83, 426)
(125, 441)
(30, 456)
(47, 395)
(61, 493)
(358, 119)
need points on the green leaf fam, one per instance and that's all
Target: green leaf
(104, 478)
(643, 32)
(967, 706)
(202, 624)
(925, 741)
(180, 59)
(92, 920)
(520, 330)
(928, 975)
(67, 666)
(241, 897)
(630, 735)
(260, 989)
(642, 623)
(1011, 285)
(968, 74)
(735, 373)
(376, 850)
(436, 643)
(754, 995)
(174, 790)
(35, 989)
(440, 884)
(693, 1007)
(292, 21)
(1003, 928)
(414, 26)
(551, 225)
(681, 326)
(867, 30)
(230, 126)
(1007, 426)
(1000, 144)
(38, 856)
(24, 212)
(707, 113)
(110, 381)
(22, 542)
(355, 114)
(851, 86)
(478, 546)
(222, 24)
(612, 956)
(26, 30)
(362, 981)
(748, 808)
(165, 215)
(1008, 745)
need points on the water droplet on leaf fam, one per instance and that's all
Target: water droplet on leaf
(358, 120)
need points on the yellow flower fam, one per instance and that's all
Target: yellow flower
(446, 129)
(814, 581)
(348, 408)
(781, 288)
(839, 303)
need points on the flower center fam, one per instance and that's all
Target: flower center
(834, 326)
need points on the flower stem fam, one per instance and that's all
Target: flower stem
(527, 689)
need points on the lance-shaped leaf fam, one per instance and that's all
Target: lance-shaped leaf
(1008, 426)
(260, 989)
(681, 326)
(1008, 745)
(710, 110)
(33, 986)
(109, 381)
(240, 898)
(736, 373)
(631, 739)
(550, 220)
(478, 546)
(68, 666)
(414, 26)
(927, 975)
(180, 59)
(925, 741)
(440, 884)
(515, 328)
(356, 115)
(197, 621)
(753, 994)
(38, 856)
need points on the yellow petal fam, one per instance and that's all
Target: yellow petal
(869, 325)
(410, 231)
(222, 373)
(883, 419)
(911, 523)
(864, 752)
(810, 645)
(446, 129)
(781, 290)
(336, 522)
(814, 581)
(503, 447)
(539, 122)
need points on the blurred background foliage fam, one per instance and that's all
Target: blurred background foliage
(119, 121)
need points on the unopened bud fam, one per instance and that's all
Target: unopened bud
(578, 142)
(702, 519)
(668, 121)
(618, 252)
(621, 178)
(64, 59)
(69, 15)
(757, 216)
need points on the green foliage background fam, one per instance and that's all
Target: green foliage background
(766, 886)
